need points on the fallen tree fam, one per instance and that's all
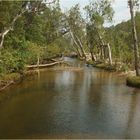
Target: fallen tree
(46, 65)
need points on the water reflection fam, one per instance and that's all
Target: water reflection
(132, 114)
(71, 104)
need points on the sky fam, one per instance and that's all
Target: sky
(120, 7)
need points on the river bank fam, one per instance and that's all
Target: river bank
(131, 79)
(9, 79)
(14, 78)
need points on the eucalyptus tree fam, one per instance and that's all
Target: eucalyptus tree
(132, 4)
(92, 42)
(76, 27)
(11, 11)
(120, 43)
(98, 12)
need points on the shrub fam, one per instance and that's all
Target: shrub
(11, 60)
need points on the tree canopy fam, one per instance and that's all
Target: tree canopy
(32, 30)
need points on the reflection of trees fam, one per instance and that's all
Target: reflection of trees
(131, 113)
(85, 86)
(65, 81)
(99, 82)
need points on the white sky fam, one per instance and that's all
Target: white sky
(120, 7)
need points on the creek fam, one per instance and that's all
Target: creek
(71, 103)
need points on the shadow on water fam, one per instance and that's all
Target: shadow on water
(88, 103)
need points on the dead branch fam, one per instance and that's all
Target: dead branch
(7, 85)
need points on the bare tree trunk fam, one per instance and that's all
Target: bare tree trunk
(101, 45)
(2, 35)
(103, 49)
(38, 61)
(102, 52)
(109, 54)
(5, 32)
(81, 47)
(75, 42)
(135, 39)
(93, 57)
(77, 50)
(20, 13)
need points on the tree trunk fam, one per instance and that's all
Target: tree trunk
(134, 33)
(109, 54)
(78, 52)
(20, 13)
(81, 47)
(101, 46)
(1, 42)
(93, 57)
(5, 32)
(38, 61)
(75, 42)
(2, 35)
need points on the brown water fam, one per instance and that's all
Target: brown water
(88, 103)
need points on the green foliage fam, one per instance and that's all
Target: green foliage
(41, 33)
(99, 11)
(104, 66)
(8, 10)
(34, 34)
(34, 52)
(124, 68)
(76, 26)
(52, 50)
(35, 30)
(120, 37)
(11, 61)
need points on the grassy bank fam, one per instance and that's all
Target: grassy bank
(102, 65)
(133, 81)
(9, 79)
(13, 78)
